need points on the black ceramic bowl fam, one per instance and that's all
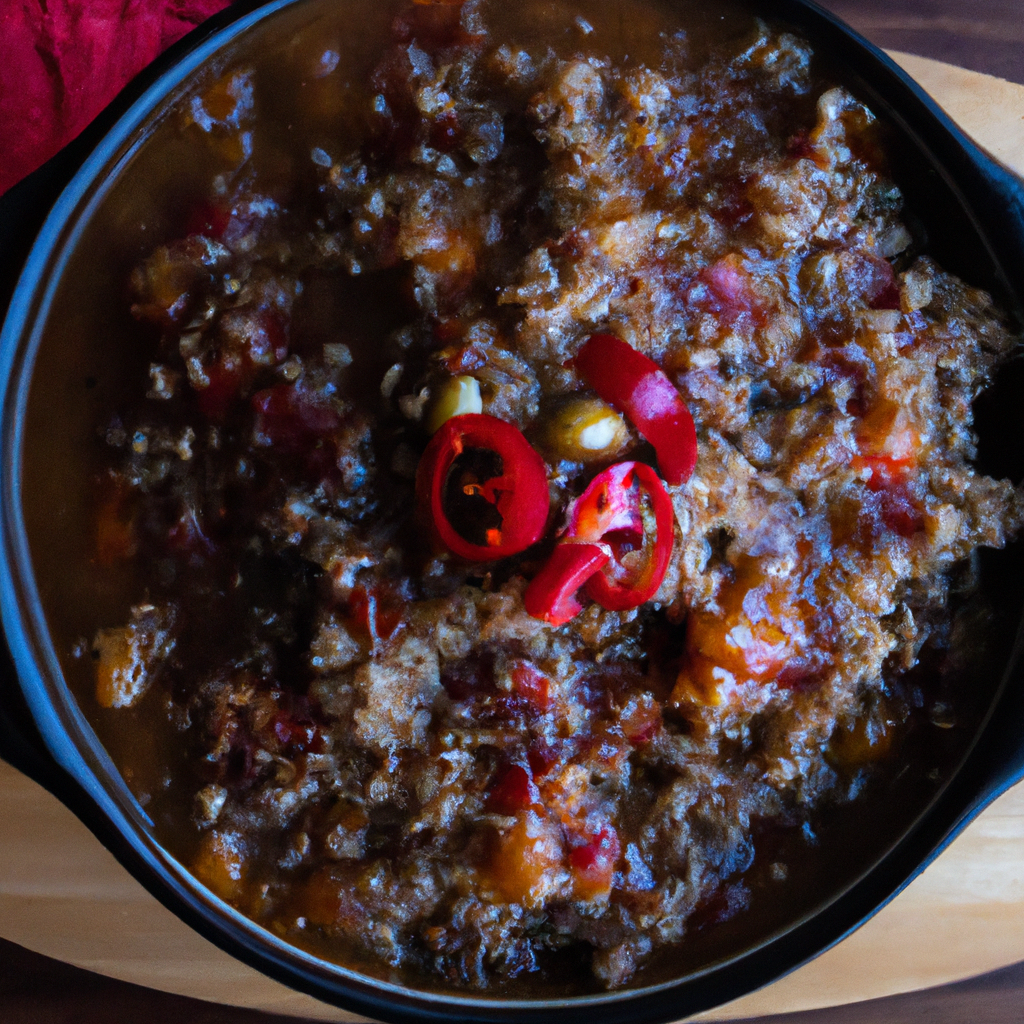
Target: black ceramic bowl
(972, 211)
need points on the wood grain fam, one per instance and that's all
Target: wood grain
(991, 110)
(62, 894)
(983, 35)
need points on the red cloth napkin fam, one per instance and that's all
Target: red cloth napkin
(62, 61)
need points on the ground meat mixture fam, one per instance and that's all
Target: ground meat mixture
(388, 758)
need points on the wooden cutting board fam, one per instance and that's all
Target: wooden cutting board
(62, 894)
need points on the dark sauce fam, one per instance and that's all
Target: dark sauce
(254, 606)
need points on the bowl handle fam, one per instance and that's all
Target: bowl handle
(999, 754)
(1002, 744)
(1005, 203)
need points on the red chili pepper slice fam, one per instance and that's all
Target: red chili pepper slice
(502, 487)
(607, 506)
(613, 511)
(551, 595)
(638, 387)
(617, 546)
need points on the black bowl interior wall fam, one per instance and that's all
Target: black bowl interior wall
(69, 359)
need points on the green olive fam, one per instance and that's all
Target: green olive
(586, 430)
(455, 397)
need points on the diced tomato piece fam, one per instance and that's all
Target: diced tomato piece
(887, 298)
(541, 758)
(846, 364)
(888, 433)
(513, 790)
(889, 445)
(292, 420)
(295, 735)
(885, 472)
(800, 147)
(249, 339)
(899, 511)
(433, 24)
(240, 767)
(226, 376)
(374, 613)
(881, 289)
(736, 208)
(731, 283)
(383, 250)
(801, 675)
(470, 678)
(726, 903)
(729, 290)
(398, 126)
(531, 684)
(362, 607)
(593, 864)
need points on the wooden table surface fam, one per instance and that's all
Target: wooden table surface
(983, 35)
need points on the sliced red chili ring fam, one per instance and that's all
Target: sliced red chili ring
(485, 465)
(551, 595)
(627, 509)
(617, 546)
(639, 388)
(606, 506)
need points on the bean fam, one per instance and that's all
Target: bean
(455, 397)
(586, 430)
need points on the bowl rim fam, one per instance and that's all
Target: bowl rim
(70, 739)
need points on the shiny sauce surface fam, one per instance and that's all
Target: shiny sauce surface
(346, 231)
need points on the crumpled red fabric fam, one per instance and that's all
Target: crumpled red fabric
(63, 61)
